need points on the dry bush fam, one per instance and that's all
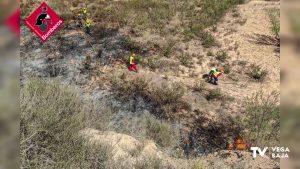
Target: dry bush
(128, 85)
(222, 56)
(169, 97)
(215, 94)
(207, 40)
(167, 49)
(168, 94)
(185, 60)
(257, 73)
(153, 63)
(51, 117)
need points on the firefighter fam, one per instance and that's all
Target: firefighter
(132, 63)
(214, 74)
(88, 26)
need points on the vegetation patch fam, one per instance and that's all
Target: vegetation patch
(214, 94)
(257, 73)
(227, 69)
(262, 119)
(161, 132)
(167, 49)
(51, 117)
(274, 16)
(128, 85)
(207, 40)
(185, 59)
(222, 56)
(210, 53)
(199, 86)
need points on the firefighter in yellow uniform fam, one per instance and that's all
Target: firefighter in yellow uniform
(84, 13)
(81, 16)
(88, 23)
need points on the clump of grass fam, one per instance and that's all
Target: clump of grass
(207, 39)
(235, 12)
(257, 73)
(210, 53)
(199, 86)
(152, 162)
(214, 94)
(185, 59)
(167, 50)
(153, 63)
(243, 63)
(161, 132)
(222, 56)
(227, 69)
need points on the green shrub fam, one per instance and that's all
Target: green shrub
(222, 56)
(214, 94)
(257, 73)
(262, 121)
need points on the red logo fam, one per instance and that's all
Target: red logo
(44, 22)
(13, 22)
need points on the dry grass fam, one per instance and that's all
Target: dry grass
(199, 86)
(161, 132)
(215, 94)
(51, 117)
